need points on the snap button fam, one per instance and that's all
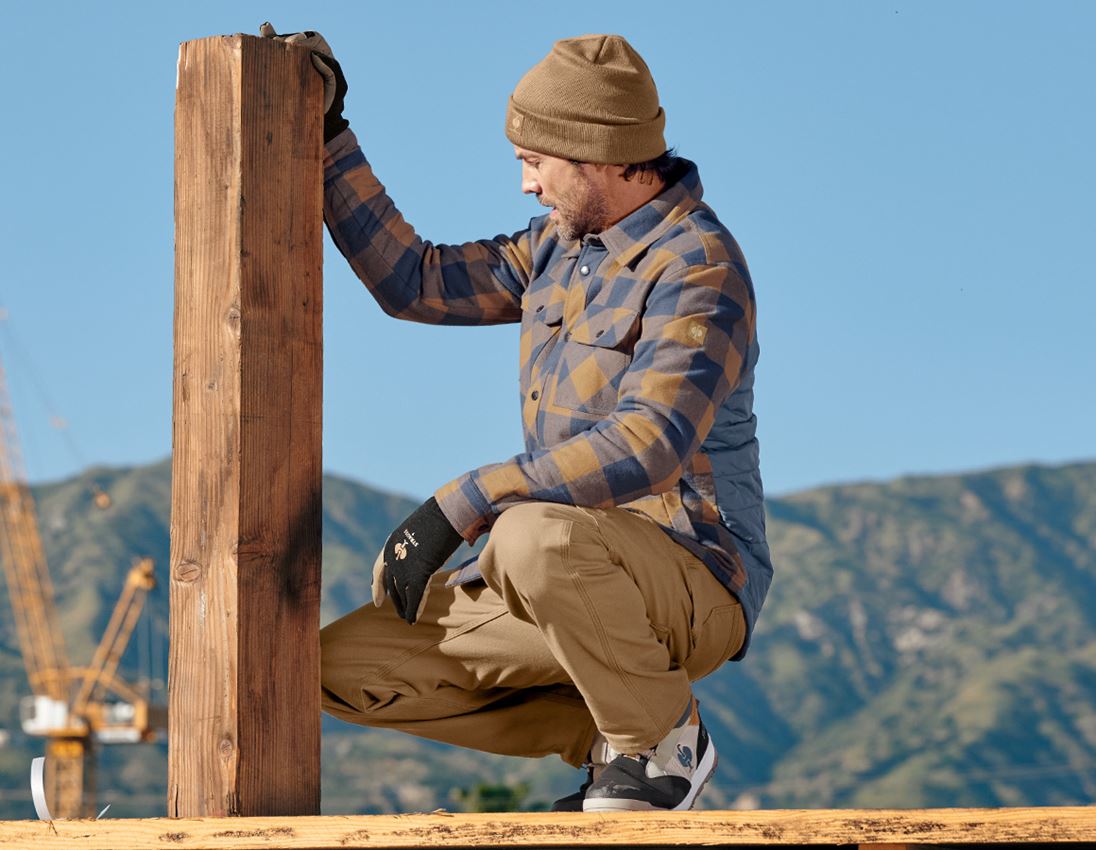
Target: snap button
(585, 269)
(599, 333)
(541, 307)
(534, 395)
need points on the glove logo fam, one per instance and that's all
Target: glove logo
(401, 551)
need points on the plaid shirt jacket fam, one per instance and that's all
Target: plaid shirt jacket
(631, 341)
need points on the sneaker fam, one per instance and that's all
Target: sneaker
(573, 802)
(667, 777)
(600, 755)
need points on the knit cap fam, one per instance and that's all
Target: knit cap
(592, 99)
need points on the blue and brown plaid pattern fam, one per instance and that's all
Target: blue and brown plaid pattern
(630, 342)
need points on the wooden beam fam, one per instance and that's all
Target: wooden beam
(787, 828)
(244, 705)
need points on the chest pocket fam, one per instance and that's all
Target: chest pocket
(596, 353)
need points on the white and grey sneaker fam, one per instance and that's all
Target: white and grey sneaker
(667, 777)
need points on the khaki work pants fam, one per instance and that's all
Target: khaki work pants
(588, 619)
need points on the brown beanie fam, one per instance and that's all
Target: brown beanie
(591, 99)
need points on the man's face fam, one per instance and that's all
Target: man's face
(573, 192)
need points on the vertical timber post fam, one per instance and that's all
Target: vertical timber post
(244, 693)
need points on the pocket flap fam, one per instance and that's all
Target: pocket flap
(552, 314)
(544, 304)
(609, 327)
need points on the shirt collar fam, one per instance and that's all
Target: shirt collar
(638, 230)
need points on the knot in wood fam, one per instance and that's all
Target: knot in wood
(188, 571)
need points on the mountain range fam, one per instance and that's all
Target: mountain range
(928, 641)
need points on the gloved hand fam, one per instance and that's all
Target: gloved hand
(414, 552)
(334, 83)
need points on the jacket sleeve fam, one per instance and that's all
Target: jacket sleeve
(695, 334)
(477, 283)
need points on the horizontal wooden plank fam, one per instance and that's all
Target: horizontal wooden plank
(545, 829)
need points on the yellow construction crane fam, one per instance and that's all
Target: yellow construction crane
(73, 708)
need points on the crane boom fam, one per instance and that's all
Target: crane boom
(24, 561)
(140, 580)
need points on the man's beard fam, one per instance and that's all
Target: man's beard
(581, 211)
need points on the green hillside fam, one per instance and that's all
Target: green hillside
(928, 641)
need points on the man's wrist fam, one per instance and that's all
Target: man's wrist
(464, 507)
(337, 149)
(333, 125)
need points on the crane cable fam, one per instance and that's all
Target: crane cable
(20, 359)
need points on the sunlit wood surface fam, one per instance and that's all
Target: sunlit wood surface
(812, 827)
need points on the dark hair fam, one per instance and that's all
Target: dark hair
(664, 165)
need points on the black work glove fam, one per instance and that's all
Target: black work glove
(334, 83)
(414, 552)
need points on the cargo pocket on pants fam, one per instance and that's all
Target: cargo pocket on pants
(718, 629)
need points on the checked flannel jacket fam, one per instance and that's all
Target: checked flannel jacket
(637, 352)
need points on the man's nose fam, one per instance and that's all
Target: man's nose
(529, 183)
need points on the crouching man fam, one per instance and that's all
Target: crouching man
(626, 555)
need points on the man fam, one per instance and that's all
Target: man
(626, 554)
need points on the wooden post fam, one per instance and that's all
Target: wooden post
(244, 707)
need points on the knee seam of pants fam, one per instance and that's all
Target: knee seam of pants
(562, 700)
(427, 646)
(599, 628)
(466, 708)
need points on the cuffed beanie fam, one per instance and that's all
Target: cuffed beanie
(592, 99)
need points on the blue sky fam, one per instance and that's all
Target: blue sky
(912, 184)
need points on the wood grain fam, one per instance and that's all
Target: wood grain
(246, 474)
(908, 827)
